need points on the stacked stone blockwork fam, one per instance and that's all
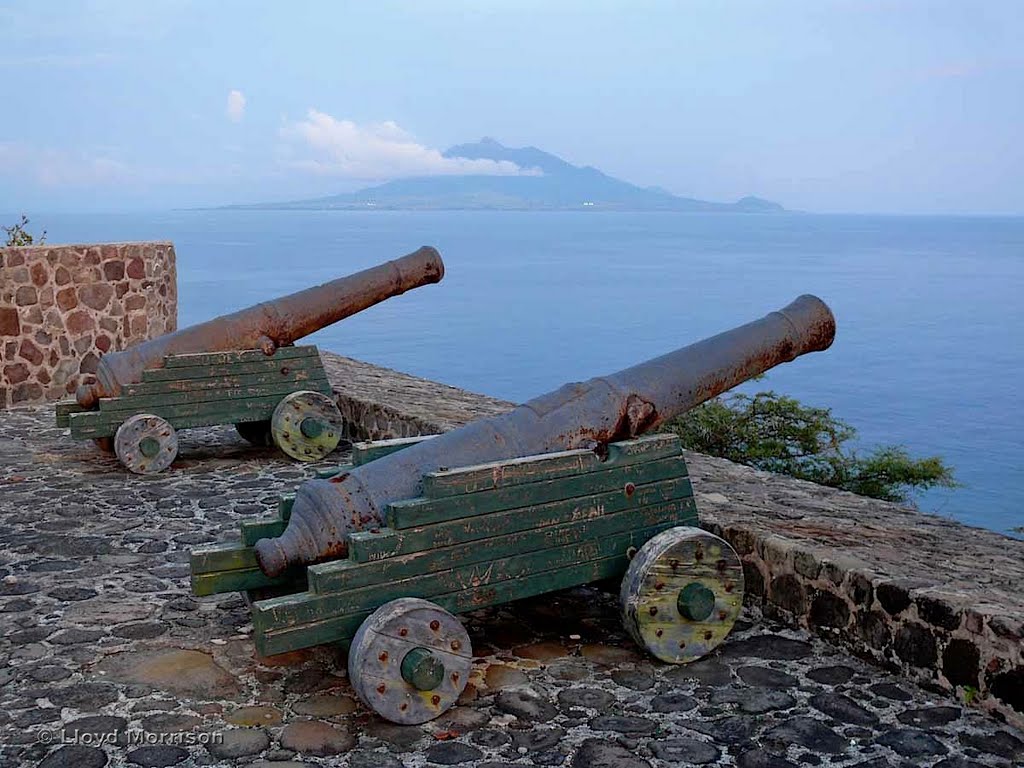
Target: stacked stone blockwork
(61, 307)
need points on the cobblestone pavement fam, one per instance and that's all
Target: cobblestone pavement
(100, 637)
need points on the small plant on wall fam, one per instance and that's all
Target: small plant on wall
(18, 234)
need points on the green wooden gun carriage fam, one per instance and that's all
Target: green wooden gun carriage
(239, 369)
(484, 535)
(282, 399)
(560, 491)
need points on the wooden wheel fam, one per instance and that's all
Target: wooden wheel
(410, 661)
(146, 444)
(256, 432)
(306, 425)
(682, 593)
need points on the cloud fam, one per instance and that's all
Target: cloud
(236, 106)
(378, 151)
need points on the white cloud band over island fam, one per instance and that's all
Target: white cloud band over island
(334, 147)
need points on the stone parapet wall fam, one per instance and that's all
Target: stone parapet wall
(63, 306)
(938, 601)
(379, 404)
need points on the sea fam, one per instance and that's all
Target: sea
(929, 352)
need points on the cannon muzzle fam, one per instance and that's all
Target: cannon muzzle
(271, 324)
(590, 414)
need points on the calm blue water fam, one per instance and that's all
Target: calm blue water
(929, 353)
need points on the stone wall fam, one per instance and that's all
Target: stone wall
(63, 306)
(939, 602)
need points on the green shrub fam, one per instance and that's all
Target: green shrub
(778, 434)
(19, 235)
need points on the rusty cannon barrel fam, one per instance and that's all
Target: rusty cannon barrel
(590, 414)
(271, 324)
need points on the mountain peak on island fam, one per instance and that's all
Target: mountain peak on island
(547, 183)
(525, 157)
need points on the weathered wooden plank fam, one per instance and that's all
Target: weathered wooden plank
(233, 568)
(139, 403)
(222, 381)
(240, 580)
(365, 452)
(205, 408)
(254, 530)
(327, 629)
(422, 511)
(221, 557)
(237, 356)
(64, 409)
(285, 502)
(332, 629)
(101, 424)
(305, 607)
(365, 546)
(348, 574)
(241, 369)
(550, 466)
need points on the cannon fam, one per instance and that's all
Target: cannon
(560, 492)
(241, 368)
(580, 415)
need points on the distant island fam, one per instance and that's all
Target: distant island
(557, 186)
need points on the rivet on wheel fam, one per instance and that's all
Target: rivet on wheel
(403, 632)
(456, 645)
(383, 656)
(435, 625)
(381, 688)
(653, 610)
(435, 699)
(708, 635)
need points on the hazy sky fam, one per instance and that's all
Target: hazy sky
(914, 106)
